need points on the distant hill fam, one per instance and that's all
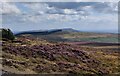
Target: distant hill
(47, 32)
(70, 30)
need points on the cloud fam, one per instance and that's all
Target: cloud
(70, 11)
(36, 8)
(48, 12)
(106, 7)
(9, 8)
(100, 7)
(66, 14)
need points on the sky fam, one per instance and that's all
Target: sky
(83, 16)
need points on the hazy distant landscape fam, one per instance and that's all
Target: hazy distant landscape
(71, 35)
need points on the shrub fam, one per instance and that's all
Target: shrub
(7, 34)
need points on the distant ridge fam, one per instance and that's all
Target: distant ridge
(46, 32)
(38, 32)
(70, 30)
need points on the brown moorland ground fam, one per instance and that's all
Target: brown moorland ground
(28, 55)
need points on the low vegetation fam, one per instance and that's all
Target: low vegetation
(28, 54)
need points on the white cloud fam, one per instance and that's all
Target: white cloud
(9, 8)
(114, 6)
(87, 7)
(70, 11)
(37, 8)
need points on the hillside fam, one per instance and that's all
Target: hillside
(33, 54)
